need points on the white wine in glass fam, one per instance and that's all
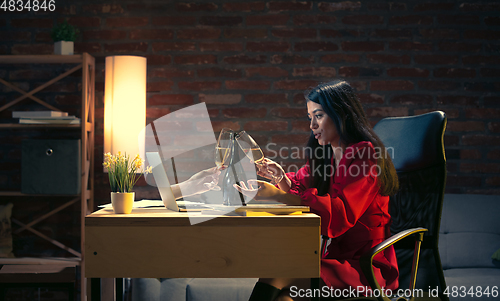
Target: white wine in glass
(221, 154)
(253, 151)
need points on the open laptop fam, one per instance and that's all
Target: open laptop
(163, 185)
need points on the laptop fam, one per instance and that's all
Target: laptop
(163, 185)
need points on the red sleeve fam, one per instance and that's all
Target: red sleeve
(351, 193)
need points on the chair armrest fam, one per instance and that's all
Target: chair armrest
(366, 260)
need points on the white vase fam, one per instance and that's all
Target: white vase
(64, 47)
(122, 202)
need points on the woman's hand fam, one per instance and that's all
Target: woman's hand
(269, 169)
(264, 191)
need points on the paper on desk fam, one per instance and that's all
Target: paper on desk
(140, 204)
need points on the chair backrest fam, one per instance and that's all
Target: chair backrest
(416, 146)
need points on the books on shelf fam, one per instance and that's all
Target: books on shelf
(29, 114)
(50, 120)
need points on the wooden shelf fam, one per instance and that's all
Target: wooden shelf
(41, 59)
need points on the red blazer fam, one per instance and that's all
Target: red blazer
(354, 215)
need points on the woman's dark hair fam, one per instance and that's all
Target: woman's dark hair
(341, 104)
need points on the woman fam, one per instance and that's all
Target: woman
(347, 180)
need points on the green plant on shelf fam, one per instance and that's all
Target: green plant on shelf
(64, 32)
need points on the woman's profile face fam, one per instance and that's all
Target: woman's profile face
(322, 125)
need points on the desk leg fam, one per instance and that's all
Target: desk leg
(95, 289)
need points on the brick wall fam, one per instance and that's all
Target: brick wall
(250, 62)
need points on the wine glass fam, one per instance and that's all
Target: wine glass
(221, 154)
(253, 151)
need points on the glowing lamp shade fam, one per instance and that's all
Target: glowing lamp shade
(125, 105)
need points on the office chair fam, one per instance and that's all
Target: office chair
(416, 146)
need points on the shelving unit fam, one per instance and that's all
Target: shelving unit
(86, 63)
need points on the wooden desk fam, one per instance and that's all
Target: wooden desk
(158, 243)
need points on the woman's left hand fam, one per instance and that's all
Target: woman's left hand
(259, 190)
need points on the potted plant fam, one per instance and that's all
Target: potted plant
(64, 36)
(123, 175)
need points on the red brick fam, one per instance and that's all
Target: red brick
(289, 6)
(87, 47)
(490, 72)
(265, 126)
(244, 6)
(382, 112)
(460, 47)
(219, 72)
(494, 127)
(103, 8)
(450, 113)
(363, 20)
(300, 126)
(244, 59)
(359, 85)
(221, 46)
(315, 72)
(17, 36)
(271, 20)
(371, 98)
(158, 59)
(219, 125)
(291, 139)
(266, 98)
(336, 6)
(245, 33)
(316, 46)
(82, 22)
(458, 20)
(482, 113)
(32, 49)
(388, 59)
(244, 112)
(481, 86)
(491, 100)
(195, 7)
(480, 167)
(414, 46)
(220, 99)
(126, 47)
(408, 72)
(455, 73)
(221, 20)
(465, 126)
(436, 59)
(170, 72)
(266, 72)
(340, 58)
(289, 112)
(481, 34)
(391, 85)
(126, 21)
(268, 46)
(330, 33)
(481, 60)
(304, 33)
(387, 6)
(295, 84)
(198, 34)
(362, 46)
(104, 35)
(32, 23)
(433, 6)
(313, 19)
(470, 154)
(457, 100)
(412, 99)
(359, 71)
(173, 46)
(151, 34)
(480, 140)
(159, 86)
(248, 85)
(291, 59)
(392, 33)
(456, 180)
(491, 6)
(199, 86)
(439, 34)
(173, 20)
(195, 59)
(492, 21)
(41, 37)
(170, 99)
(155, 113)
(493, 181)
(435, 85)
(411, 20)
(494, 154)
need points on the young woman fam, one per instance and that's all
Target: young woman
(347, 180)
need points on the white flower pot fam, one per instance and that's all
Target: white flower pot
(64, 47)
(122, 202)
